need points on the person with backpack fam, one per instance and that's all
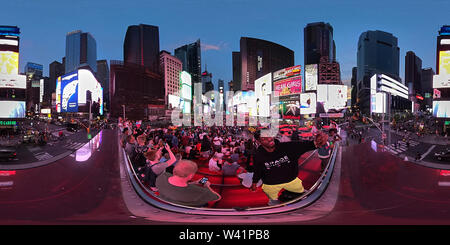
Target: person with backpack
(154, 167)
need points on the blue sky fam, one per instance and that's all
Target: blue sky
(220, 23)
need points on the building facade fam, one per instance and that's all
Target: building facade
(191, 58)
(378, 52)
(141, 46)
(318, 43)
(259, 57)
(236, 84)
(171, 68)
(81, 51)
(103, 78)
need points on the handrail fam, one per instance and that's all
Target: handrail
(304, 200)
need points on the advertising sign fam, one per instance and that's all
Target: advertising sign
(174, 101)
(311, 77)
(441, 109)
(307, 103)
(263, 89)
(69, 92)
(186, 85)
(9, 63)
(12, 109)
(58, 95)
(436, 94)
(289, 107)
(287, 72)
(288, 86)
(444, 62)
(46, 111)
(13, 81)
(441, 81)
(332, 97)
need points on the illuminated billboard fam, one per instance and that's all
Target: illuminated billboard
(288, 86)
(290, 108)
(263, 89)
(69, 92)
(307, 103)
(174, 101)
(311, 77)
(287, 72)
(12, 109)
(441, 81)
(13, 81)
(72, 88)
(332, 97)
(9, 63)
(441, 109)
(436, 94)
(444, 62)
(186, 85)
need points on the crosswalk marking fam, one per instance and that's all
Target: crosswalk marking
(42, 156)
(74, 145)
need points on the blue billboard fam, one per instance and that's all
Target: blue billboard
(69, 92)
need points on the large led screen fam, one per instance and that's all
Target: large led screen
(88, 82)
(13, 81)
(174, 101)
(290, 109)
(441, 81)
(287, 72)
(12, 109)
(58, 95)
(444, 62)
(186, 85)
(263, 89)
(69, 92)
(441, 109)
(307, 103)
(9, 63)
(288, 86)
(332, 97)
(311, 77)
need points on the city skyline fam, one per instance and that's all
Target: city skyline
(108, 22)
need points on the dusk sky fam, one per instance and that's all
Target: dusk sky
(220, 23)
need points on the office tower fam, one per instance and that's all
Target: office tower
(81, 51)
(259, 57)
(413, 73)
(354, 86)
(190, 56)
(427, 87)
(56, 70)
(35, 84)
(377, 53)
(220, 85)
(207, 84)
(318, 43)
(103, 78)
(141, 46)
(236, 84)
(171, 68)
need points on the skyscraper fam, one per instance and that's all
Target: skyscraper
(259, 57)
(190, 56)
(318, 42)
(427, 86)
(377, 53)
(55, 70)
(34, 73)
(141, 46)
(413, 73)
(236, 85)
(171, 68)
(207, 84)
(81, 51)
(103, 78)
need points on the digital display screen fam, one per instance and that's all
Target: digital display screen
(174, 101)
(88, 82)
(308, 103)
(13, 81)
(263, 89)
(441, 109)
(12, 109)
(444, 62)
(9, 63)
(441, 81)
(287, 72)
(186, 85)
(288, 86)
(58, 95)
(332, 97)
(69, 92)
(311, 77)
(290, 109)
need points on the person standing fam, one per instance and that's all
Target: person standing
(276, 164)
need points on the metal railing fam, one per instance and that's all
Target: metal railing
(309, 197)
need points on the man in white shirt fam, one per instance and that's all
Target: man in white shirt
(214, 164)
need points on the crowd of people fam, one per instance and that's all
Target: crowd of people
(165, 159)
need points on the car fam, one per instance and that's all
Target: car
(8, 152)
(72, 127)
(443, 155)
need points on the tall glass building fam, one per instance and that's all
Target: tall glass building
(378, 53)
(191, 57)
(141, 46)
(81, 51)
(318, 43)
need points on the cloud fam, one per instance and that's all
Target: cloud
(206, 47)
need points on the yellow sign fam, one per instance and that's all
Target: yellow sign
(444, 62)
(9, 63)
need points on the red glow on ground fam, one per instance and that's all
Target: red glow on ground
(7, 173)
(445, 173)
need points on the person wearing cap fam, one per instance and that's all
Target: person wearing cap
(276, 164)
